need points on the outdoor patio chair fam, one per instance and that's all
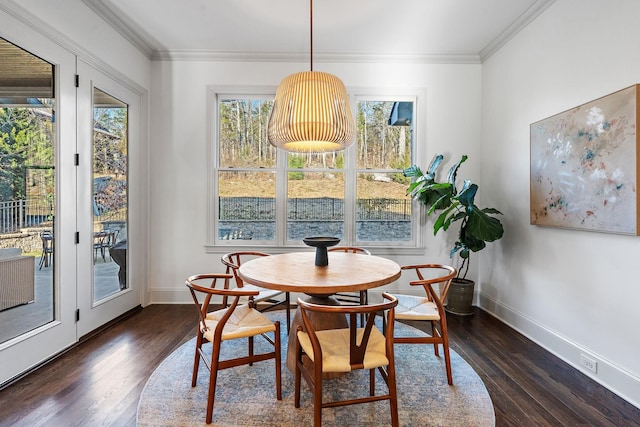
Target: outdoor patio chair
(46, 258)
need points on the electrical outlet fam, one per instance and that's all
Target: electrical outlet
(589, 363)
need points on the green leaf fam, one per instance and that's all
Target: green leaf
(468, 193)
(471, 242)
(435, 163)
(483, 226)
(412, 171)
(439, 223)
(453, 171)
(491, 210)
(415, 188)
(442, 203)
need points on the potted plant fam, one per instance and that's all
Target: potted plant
(476, 225)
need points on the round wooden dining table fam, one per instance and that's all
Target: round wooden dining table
(297, 272)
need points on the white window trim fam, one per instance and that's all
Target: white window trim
(214, 93)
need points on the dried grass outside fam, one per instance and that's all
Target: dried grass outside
(311, 188)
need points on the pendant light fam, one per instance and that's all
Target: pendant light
(311, 112)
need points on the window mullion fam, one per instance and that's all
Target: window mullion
(350, 196)
(281, 198)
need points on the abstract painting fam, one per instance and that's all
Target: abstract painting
(584, 166)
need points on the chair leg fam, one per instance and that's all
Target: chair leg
(363, 301)
(196, 361)
(434, 333)
(445, 347)
(250, 349)
(288, 299)
(297, 375)
(372, 382)
(393, 393)
(317, 399)
(276, 340)
(213, 377)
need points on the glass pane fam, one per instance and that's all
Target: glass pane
(247, 205)
(110, 119)
(27, 192)
(384, 135)
(333, 160)
(383, 211)
(243, 134)
(315, 204)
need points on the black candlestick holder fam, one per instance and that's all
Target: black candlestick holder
(321, 244)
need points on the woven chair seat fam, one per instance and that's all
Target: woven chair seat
(412, 307)
(244, 322)
(335, 349)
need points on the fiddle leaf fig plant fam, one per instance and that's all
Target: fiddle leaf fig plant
(476, 226)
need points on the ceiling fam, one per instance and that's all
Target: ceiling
(436, 31)
(398, 30)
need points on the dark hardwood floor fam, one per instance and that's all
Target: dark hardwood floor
(98, 382)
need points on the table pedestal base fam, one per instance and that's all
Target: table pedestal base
(320, 322)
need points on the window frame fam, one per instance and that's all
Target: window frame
(281, 243)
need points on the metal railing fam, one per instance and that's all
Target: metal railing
(17, 214)
(323, 208)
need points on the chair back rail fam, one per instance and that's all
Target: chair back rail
(444, 280)
(233, 260)
(210, 292)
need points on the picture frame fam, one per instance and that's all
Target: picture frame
(584, 166)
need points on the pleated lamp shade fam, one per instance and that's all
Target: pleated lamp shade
(311, 114)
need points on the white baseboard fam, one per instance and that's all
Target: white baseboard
(619, 381)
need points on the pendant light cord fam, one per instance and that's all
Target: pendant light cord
(311, 33)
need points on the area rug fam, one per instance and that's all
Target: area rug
(246, 396)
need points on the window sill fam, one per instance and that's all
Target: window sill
(272, 249)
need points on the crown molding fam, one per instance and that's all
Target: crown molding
(518, 25)
(146, 44)
(208, 55)
(125, 27)
(46, 30)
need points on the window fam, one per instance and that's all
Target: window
(272, 197)
(383, 150)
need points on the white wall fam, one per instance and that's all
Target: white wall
(180, 147)
(574, 292)
(75, 27)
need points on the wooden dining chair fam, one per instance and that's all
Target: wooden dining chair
(361, 297)
(346, 350)
(233, 322)
(428, 308)
(267, 297)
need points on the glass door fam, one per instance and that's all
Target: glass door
(106, 112)
(27, 197)
(37, 200)
(109, 201)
